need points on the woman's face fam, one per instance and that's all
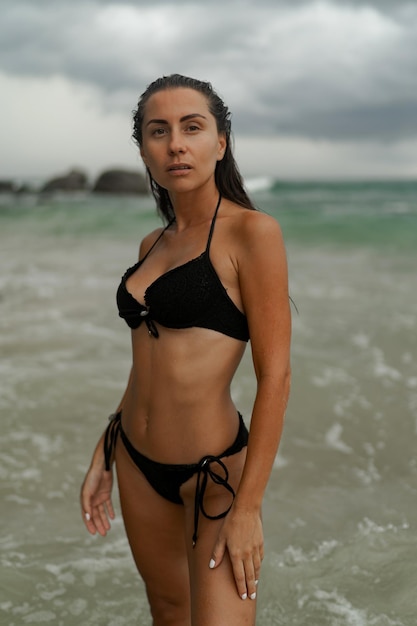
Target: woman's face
(181, 144)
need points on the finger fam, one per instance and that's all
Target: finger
(109, 514)
(89, 523)
(257, 562)
(104, 517)
(240, 577)
(110, 509)
(250, 577)
(95, 523)
(217, 554)
(100, 528)
(86, 513)
(101, 521)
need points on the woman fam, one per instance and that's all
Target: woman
(190, 479)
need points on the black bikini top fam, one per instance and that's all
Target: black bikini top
(186, 296)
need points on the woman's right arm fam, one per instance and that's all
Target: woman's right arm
(96, 504)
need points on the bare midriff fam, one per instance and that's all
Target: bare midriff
(178, 406)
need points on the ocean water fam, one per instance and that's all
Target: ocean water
(340, 512)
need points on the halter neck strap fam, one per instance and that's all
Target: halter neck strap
(171, 221)
(213, 221)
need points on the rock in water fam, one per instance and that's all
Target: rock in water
(121, 181)
(75, 180)
(7, 186)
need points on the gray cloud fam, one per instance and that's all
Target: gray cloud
(332, 70)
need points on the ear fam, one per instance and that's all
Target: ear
(222, 146)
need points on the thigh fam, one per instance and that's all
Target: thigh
(155, 529)
(214, 597)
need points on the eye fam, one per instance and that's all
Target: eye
(158, 132)
(193, 128)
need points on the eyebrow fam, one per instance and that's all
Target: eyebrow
(182, 119)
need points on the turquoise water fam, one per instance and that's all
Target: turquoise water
(340, 510)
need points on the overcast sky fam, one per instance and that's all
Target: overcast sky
(318, 89)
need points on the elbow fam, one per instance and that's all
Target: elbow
(279, 380)
(287, 381)
(283, 380)
(287, 374)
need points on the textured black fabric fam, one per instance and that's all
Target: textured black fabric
(184, 297)
(167, 479)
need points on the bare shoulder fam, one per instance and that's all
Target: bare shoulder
(254, 230)
(256, 223)
(148, 241)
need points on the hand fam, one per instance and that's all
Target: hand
(96, 505)
(242, 536)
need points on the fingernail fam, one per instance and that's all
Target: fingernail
(87, 517)
(244, 596)
(256, 582)
(212, 563)
(253, 595)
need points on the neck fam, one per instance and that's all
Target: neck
(194, 207)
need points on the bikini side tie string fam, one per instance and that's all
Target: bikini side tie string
(110, 438)
(203, 472)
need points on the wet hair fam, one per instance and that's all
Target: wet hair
(228, 179)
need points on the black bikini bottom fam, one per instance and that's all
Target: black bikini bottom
(167, 479)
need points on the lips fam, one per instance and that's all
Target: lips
(178, 167)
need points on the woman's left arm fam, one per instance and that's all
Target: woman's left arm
(263, 279)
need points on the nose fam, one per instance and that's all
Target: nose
(176, 143)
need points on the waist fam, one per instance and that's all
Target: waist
(172, 381)
(240, 441)
(179, 434)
